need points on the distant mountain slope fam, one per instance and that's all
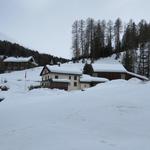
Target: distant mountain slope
(13, 49)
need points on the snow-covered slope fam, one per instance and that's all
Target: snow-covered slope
(110, 116)
(16, 80)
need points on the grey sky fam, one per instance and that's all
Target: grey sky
(45, 25)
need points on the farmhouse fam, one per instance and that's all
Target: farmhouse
(74, 76)
(60, 77)
(67, 78)
(18, 63)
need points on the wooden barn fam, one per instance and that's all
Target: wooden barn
(113, 71)
(18, 63)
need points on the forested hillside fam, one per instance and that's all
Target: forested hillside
(13, 49)
(96, 39)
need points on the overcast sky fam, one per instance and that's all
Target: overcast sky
(45, 25)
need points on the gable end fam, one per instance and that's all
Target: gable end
(44, 71)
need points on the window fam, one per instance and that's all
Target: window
(75, 77)
(75, 83)
(70, 77)
(56, 77)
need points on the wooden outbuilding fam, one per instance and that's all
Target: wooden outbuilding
(18, 63)
(113, 71)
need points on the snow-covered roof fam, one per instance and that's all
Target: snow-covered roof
(64, 69)
(88, 78)
(61, 80)
(18, 59)
(137, 75)
(108, 67)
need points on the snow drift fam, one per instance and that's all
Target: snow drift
(110, 116)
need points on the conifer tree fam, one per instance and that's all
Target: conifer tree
(117, 31)
(75, 39)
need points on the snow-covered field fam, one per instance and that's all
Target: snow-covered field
(111, 116)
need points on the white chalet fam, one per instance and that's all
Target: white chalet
(67, 78)
(60, 77)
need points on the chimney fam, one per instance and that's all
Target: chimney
(58, 64)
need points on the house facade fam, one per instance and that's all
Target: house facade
(59, 77)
